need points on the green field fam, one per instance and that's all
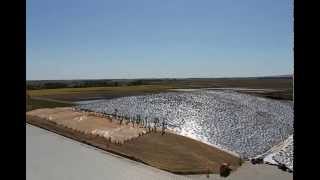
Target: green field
(32, 104)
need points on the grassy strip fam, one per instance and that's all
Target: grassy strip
(118, 89)
(78, 94)
(37, 103)
(277, 95)
(170, 152)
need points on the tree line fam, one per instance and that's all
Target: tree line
(81, 84)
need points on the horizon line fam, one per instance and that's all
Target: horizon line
(217, 77)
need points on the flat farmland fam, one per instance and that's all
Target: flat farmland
(282, 88)
(34, 103)
(77, 94)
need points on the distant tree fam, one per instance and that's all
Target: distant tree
(55, 85)
(136, 83)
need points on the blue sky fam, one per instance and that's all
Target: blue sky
(105, 39)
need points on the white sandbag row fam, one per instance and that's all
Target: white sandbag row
(282, 155)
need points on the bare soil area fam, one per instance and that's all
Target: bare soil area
(89, 123)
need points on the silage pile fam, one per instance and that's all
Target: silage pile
(240, 123)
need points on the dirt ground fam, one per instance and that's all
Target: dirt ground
(89, 123)
(170, 152)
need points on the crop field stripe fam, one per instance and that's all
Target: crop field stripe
(43, 92)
